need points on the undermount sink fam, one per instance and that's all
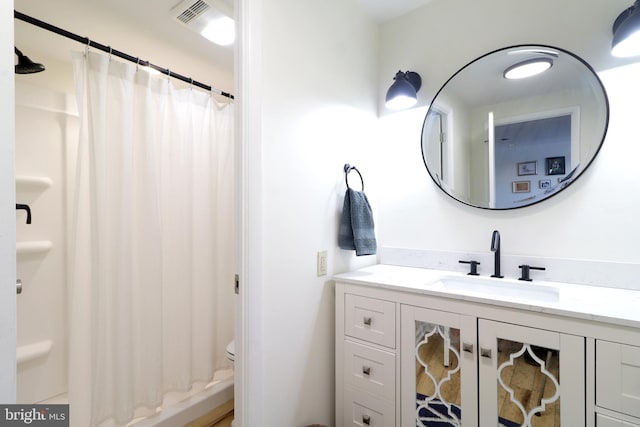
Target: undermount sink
(498, 287)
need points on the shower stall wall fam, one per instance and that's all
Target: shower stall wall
(45, 120)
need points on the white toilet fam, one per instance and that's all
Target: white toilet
(231, 351)
(231, 355)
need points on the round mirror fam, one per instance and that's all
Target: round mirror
(515, 126)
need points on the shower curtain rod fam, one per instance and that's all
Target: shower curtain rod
(114, 52)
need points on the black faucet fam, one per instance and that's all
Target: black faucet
(495, 248)
(26, 208)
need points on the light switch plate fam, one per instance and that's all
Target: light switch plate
(322, 263)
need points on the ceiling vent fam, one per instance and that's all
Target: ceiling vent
(196, 14)
(192, 10)
(212, 19)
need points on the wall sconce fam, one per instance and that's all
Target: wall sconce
(626, 32)
(403, 93)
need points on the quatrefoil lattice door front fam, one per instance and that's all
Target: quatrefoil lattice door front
(530, 377)
(439, 370)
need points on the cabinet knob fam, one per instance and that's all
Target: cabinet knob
(467, 347)
(366, 370)
(366, 419)
(367, 321)
(485, 352)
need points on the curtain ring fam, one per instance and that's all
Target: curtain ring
(86, 49)
(138, 64)
(110, 50)
(348, 168)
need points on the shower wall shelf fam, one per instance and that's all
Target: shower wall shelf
(39, 183)
(26, 353)
(33, 247)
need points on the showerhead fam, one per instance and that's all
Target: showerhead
(25, 65)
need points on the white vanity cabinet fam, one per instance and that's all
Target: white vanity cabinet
(407, 355)
(412, 351)
(459, 369)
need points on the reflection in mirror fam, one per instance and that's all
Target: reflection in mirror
(437, 375)
(528, 385)
(499, 143)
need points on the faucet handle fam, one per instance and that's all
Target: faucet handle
(473, 267)
(525, 271)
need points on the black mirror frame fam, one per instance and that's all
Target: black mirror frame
(570, 175)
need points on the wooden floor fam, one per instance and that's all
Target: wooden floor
(226, 422)
(219, 417)
(528, 383)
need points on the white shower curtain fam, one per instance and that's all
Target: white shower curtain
(150, 232)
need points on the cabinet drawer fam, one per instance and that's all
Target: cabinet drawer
(370, 319)
(604, 421)
(618, 377)
(370, 370)
(363, 410)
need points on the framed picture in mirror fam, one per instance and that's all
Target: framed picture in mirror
(521, 186)
(555, 165)
(544, 183)
(527, 168)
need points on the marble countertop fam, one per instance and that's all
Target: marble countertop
(604, 304)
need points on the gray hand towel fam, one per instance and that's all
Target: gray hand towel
(356, 224)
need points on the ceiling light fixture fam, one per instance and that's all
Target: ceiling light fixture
(210, 18)
(403, 93)
(534, 51)
(528, 68)
(626, 32)
(220, 31)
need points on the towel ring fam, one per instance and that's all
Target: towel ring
(348, 168)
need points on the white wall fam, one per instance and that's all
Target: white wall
(595, 218)
(318, 78)
(439, 38)
(7, 212)
(318, 62)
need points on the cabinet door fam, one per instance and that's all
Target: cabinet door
(439, 376)
(618, 377)
(365, 410)
(605, 421)
(370, 319)
(370, 370)
(520, 372)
